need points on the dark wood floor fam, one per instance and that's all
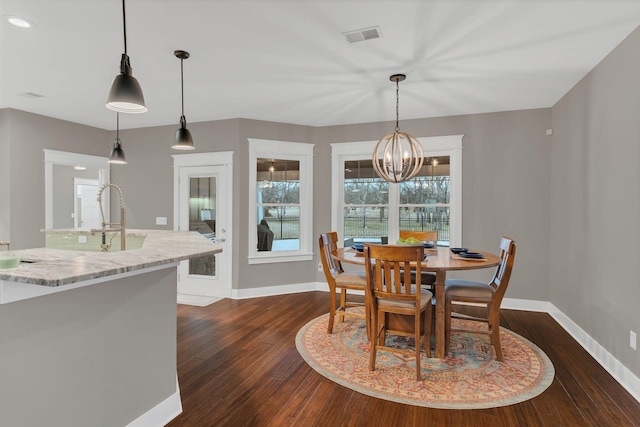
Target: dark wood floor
(238, 366)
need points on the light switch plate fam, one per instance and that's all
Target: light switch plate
(161, 220)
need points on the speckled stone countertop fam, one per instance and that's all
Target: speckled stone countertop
(58, 267)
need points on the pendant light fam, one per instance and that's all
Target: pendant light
(183, 136)
(125, 95)
(117, 153)
(398, 156)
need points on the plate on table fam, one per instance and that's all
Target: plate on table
(429, 245)
(358, 247)
(458, 250)
(472, 255)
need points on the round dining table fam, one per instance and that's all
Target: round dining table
(439, 260)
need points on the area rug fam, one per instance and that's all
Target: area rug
(468, 378)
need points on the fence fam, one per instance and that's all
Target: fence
(370, 226)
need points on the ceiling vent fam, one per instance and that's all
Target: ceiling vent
(362, 35)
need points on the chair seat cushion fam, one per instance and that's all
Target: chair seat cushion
(358, 279)
(467, 288)
(425, 298)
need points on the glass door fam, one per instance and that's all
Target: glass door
(202, 191)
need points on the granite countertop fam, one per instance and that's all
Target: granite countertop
(58, 267)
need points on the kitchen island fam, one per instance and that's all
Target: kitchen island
(89, 338)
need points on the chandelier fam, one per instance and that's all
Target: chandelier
(398, 156)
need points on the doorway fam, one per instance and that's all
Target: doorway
(203, 203)
(86, 210)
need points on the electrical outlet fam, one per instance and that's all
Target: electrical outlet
(319, 266)
(632, 339)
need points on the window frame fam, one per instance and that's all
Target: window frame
(297, 151)
(449, 145)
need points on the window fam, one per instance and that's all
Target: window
(367, 208)
(280, 200)
(425, 200)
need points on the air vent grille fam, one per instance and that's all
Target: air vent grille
(362, 35)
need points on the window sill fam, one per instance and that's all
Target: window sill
(273, 258)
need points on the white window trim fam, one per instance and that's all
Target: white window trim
(449, 145)
(263, 148)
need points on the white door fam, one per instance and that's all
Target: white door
(86, 210)
(204, 200)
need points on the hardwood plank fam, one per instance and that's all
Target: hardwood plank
(238, 365)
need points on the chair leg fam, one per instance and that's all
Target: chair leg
(418, 346)
(494, 324)
(447, 325)
(332, 309)
(373, 341)
(427, 330)
(343, 304)
(367, 320)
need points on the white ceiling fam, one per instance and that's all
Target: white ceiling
(288, 61)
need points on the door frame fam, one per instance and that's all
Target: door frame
(222, 158)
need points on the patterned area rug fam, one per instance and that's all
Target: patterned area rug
(469, 377)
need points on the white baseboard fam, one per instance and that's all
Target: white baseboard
(624, 376)
(526, 305)
(618, 371)
(267, 291)
(197, 300)
(162, 413)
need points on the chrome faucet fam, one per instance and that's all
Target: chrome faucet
(121, 225)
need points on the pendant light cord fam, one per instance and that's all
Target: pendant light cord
(124, 26)
(182, 84)
(397, 105)
(117, 126)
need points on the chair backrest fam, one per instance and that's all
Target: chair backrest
(501, 278)
(384, 267)
(332, 267)
(426, 236)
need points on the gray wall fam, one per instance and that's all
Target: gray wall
(5, 178)
(595, 202)
(29, 134)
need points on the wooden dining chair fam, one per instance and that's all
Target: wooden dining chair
(338, 279)
(428, 278)
(489, 295)
(397, 309)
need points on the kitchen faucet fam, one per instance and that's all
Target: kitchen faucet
(105, 247)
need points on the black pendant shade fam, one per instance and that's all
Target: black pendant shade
(184, 141)
(117, 153)
(125, 95)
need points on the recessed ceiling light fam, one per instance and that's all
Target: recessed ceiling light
(19, 22)
(80, 168)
